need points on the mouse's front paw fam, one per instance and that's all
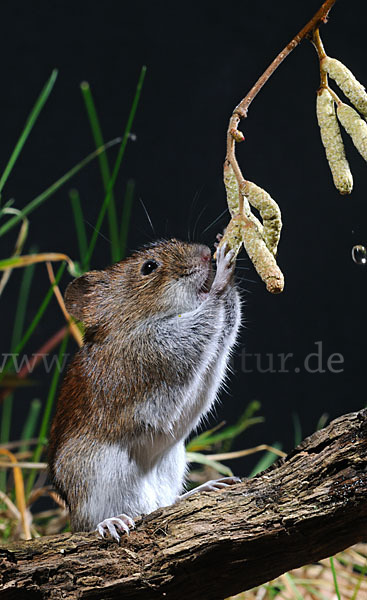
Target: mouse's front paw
(115, 525)
(225, 268)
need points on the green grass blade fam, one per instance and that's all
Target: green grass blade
(7, 408)
(334, 578)
(42, 441)
(322, 421)
(79, 224)
(207, 439)
(21, 309)
(117, 165)
(359, 582)
(125, 217)
(30, 423)
(266, 460)
(44, 304)
(104, 166)
(18, 247)
(41, 310)
(204, 442)
(273, 590)
(6, 415)
(312, 590)
(35, 203)
(290, 579)
(28, 127)
(16, 335)
(202, 459)
(297, 429)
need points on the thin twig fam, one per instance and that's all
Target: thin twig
(16, 443)
(45, 491)
(321, 16)
(240, 453)
(316, 40)
(241, 109)
(11, 506)
(74, 329)
(36, 359)
(19, 492)
(41, 466)
(260, 248)
(21, 238)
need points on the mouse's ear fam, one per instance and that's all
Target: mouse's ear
(80, 293)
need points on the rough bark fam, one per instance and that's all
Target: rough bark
(305, 507)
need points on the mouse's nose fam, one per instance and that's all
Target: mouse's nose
(206, 255)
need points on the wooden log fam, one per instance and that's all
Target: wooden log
(305, 507)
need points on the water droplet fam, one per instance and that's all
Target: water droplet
(359, 254)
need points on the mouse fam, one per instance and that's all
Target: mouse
(159, 328)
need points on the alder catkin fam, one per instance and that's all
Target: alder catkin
(262, 259)
(345, 79)
(269, 212)
(332, 141)
(232, 190)
(233, 234)
(242, 230)
(355, 126)
(259, 239)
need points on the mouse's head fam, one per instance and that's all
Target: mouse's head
(161, 279)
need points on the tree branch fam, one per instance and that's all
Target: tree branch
(240, 112)
(307, 506)
(242, 229)
(321, 16)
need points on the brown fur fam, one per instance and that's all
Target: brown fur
(109, 376)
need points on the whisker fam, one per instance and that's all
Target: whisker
(197, 220)
(99, 232)
(246, 279)
(215, 221)
(148, 216)
(192, 206)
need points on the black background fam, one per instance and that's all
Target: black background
(202, 58)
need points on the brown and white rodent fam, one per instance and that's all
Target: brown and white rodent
(159, 328)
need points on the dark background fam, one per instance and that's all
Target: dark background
(202, 58)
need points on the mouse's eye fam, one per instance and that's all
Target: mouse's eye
(148, 267)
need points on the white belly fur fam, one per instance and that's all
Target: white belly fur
(121, 485)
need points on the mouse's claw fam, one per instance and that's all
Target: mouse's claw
(112, 526)
(212, 486)
(225, 268)
(218, 484)
(219, 238)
